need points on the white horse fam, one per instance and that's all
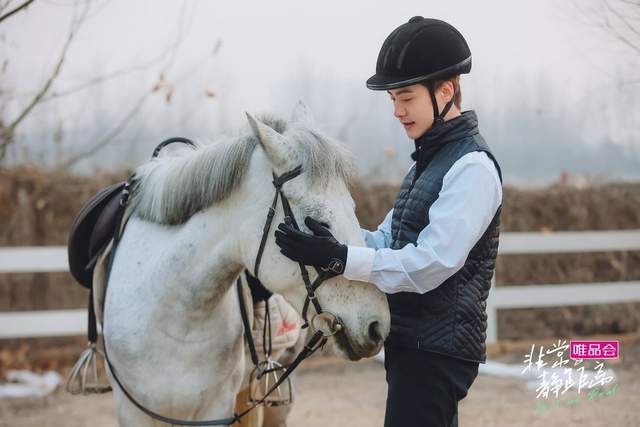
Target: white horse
(171, 319)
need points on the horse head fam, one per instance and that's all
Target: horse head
(320, 191)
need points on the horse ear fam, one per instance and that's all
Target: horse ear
(273, 143)
(302, 114)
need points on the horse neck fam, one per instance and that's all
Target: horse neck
(218, 236)
(226, 236)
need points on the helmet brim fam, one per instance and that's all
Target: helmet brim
(382, 82)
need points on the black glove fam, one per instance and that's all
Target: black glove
(320, 249)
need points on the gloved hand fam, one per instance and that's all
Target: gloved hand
(320, 249)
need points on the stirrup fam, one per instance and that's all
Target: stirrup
(263, 377)
(83, 378)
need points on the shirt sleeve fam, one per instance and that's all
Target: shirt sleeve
(380, 238)
(360, 257)
(469, 198)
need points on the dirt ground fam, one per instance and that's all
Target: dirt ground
(334, 392)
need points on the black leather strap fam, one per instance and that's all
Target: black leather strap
(166, 142)
(316, 342)
(438, 118)
(245, 323)
(278, 182)
(92, 328)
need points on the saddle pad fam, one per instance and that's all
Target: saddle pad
(91, 230)
(285, 324)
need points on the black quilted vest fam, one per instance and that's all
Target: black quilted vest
(452, 318)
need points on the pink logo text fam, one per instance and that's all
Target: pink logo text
(594, 349)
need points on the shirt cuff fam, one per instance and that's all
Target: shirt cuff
(359, 263)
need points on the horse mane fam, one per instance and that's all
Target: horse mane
(171, 188)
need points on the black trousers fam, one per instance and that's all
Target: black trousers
(424, 388)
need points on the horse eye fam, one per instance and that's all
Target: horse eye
(324, 224)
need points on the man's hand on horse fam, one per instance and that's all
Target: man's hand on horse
(319, 249)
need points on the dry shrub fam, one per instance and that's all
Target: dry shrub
(38, 206)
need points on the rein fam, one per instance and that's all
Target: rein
(317, 340)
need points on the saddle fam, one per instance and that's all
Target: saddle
(95, 225)
(91, 231)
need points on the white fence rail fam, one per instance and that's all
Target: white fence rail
(565, 294)
(33, 259)
(73, 322)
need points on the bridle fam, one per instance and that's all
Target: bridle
(289, 218)
(318, 338)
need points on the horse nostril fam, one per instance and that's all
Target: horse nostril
(374, 331)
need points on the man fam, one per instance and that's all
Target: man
(434, 253)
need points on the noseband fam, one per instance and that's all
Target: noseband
(318, 339)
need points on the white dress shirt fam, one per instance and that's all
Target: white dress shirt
(468, 200)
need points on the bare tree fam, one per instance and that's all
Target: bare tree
(623, 21)
(619, 19)
(167, 56)
(14, 10)
(7, 131)
(46, 92)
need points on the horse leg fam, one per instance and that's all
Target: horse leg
(128, 414)
(262, 416)
(253, 418)
(276, 416)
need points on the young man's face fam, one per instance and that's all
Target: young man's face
(412, 106)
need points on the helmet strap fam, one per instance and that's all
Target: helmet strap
(437, 117)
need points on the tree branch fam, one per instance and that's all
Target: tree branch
(584, 15)
(108, 138)
(16, 10)
(169, 50)
(631, 2)
(621, 18)
(616, 33)
(161, 56)
(121, 126)
(6, 134)
(4, 4)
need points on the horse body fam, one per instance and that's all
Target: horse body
(172, 324)
(168, 335)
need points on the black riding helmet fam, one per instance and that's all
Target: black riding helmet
(421, 51)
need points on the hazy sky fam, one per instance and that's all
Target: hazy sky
(263, 42)
(267, 54)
